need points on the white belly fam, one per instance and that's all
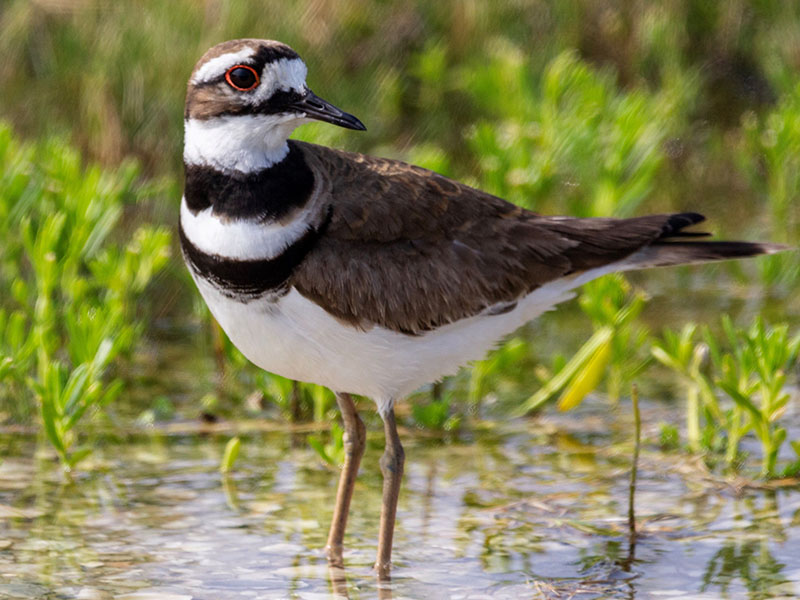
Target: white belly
(296, 338)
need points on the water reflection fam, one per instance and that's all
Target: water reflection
(532, 510)
(745, 562)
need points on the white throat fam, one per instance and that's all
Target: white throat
(244, 143)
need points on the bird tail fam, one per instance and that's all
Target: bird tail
(673, 247)
(665, 254)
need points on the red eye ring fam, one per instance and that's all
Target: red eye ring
(241, 88)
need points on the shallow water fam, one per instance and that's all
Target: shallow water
(529, 509)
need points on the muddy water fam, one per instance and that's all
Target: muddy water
(530, 509)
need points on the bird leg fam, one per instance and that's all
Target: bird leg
(354, 438)
(392, 470)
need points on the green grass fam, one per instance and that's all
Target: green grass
(736, 385)
(71, 312)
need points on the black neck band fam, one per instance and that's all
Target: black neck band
(249, 279)
(266, 195)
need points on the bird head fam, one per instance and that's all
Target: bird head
(243, 100)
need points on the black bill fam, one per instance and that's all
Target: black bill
(322, 110)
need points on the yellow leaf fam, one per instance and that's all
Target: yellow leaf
(585, 381)
(230, 455)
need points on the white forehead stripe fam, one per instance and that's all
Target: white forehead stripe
(282, 74)
(286, 74)
(217, 66)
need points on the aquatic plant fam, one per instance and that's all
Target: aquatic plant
(679, 352)
(599, 131)
(422, 69)
(331, 452)
(230, 454)
(770, 158)
(753, 372)
(613, 352)
(296, 400)
(74, 273)
(436, 413)
(748, 366)
(506, 362)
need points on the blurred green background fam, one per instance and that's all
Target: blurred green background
(585, 107)
(580, 105)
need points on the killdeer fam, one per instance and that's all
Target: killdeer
(367, 275)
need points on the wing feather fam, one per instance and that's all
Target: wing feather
(411, 250)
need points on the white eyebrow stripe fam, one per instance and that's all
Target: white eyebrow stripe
(217, 66)
(289, 72)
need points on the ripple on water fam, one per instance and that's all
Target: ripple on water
(505, 516)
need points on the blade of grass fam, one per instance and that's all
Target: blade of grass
(587, 380)
(230, 455)
(565, 375)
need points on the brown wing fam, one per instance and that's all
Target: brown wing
(411, 250)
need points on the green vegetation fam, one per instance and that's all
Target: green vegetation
(436, 414)
(613, 352)
(749, 367)
(297, 401)
(230, 455)
(579, 107)
(575, 126)
(331, 452)
(71, 312)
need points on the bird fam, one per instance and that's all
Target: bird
(367, 275)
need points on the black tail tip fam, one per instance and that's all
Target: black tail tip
(678, 221)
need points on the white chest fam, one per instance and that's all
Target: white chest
(293, 337)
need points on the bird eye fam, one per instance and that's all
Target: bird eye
(242, 77)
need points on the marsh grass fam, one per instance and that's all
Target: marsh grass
(230, 454)
(331, 451)
(736, 386)
(72, 310)
(614, 353)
